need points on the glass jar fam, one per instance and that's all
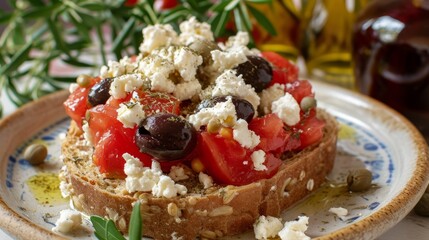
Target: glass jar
(327, 30)
(285, 16)
(391, 56)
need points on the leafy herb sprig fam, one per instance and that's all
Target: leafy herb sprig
(85, 33)
(105, 229)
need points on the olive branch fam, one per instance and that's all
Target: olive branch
(82, 34)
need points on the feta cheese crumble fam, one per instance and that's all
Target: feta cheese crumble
(294, 230)
(205, 179)
(258, 159)
(241, 133)
(158, 36)
(124, 84)
(130, 114)
(339, 211)
(222, 112)
(287, 109)
(228, 83)
(192, 30)
(68, 221)
(271, 227)
(145, 179)
(267, 227)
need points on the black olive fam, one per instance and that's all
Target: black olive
(256, 71)
(166, 136)
(99, 93)
(243, 107)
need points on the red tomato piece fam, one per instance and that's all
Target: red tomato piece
(300, 89)
(229, 163)
(76, 104)
(311, 131)
(284, 71)
(274, 138)
(109, 150)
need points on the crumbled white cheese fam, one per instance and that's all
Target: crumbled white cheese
(145, 179)
(130, 114)
(115, 69)
(177, 173)
(187, 90)
(68, 221)
(192, 30)
(87, 132)
(269, 95)
(258, 159)
(205, 179)
(166, 187)
(158, 36)
(158, 71)
(222, 112)
(223, 60)
(339, 211)
(228, 83)
(241, 133)
(294, 230)
(245, 162)
(73, 87)
(267, 227)
(287, 109)
(124, 84)
(240, 39)
(186, 62)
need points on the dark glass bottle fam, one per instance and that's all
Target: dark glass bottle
(391, 56)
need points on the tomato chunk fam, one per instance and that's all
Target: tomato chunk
(311, 131)
(274, 138)
(284, 71)
(229, 163)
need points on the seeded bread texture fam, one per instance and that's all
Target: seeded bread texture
(206, 213)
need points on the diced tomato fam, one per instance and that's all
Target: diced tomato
(274, 138)
(300, 89)
(109, 150)
(76, 104)
(101, 119)
(311, 131)
(284, 71)
(229, 163)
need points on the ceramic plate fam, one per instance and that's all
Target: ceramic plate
(371, 136)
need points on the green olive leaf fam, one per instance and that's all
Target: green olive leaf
(135, 228)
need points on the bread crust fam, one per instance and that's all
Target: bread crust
(211, 213)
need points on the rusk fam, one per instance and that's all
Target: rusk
(208, 213)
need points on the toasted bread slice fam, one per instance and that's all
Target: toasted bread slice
(208, 213)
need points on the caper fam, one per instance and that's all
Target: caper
(308, 103)
(99, 93)
(422, 207)
(83, 80)
(35, 153)
(166, 136)
(359, 180)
